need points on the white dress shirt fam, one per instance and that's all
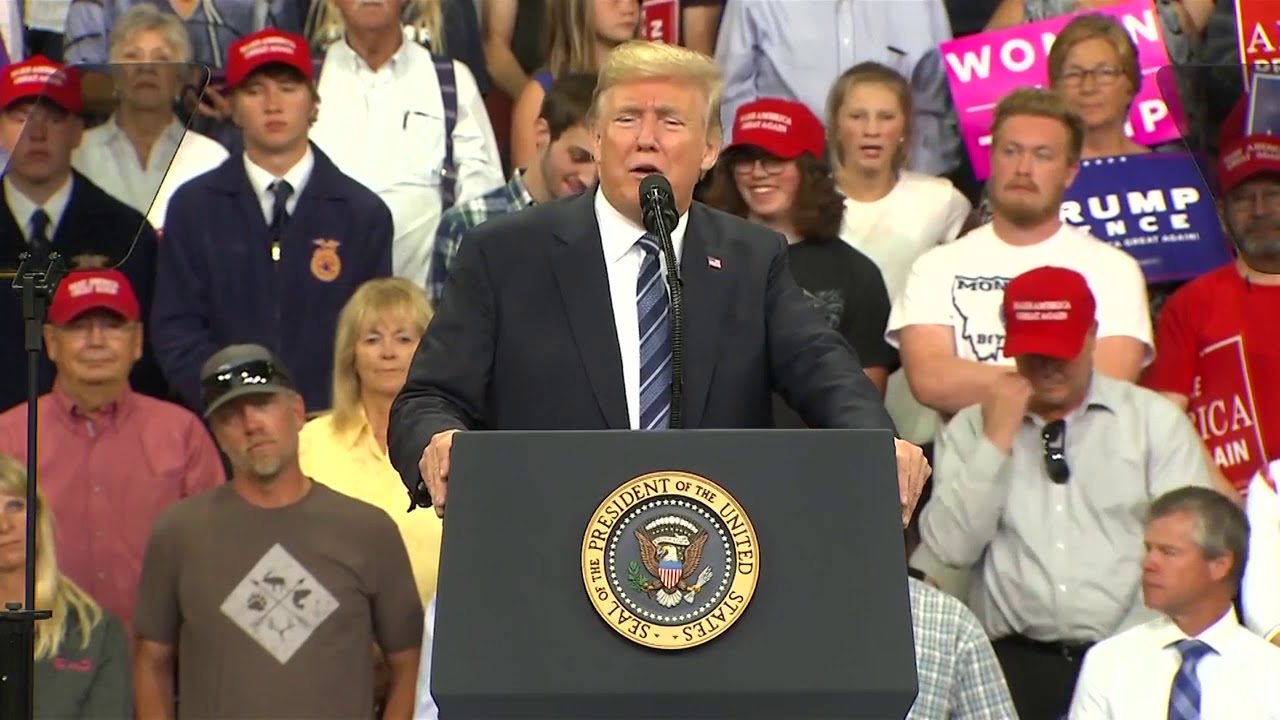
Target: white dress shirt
(1260, 593)
(1129, 676)
(425, 706)
(622, 258)
(108, 158)
(22, 207)
(261, 181)
(385, 129)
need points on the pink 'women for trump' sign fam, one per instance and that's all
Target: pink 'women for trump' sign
(982, 69)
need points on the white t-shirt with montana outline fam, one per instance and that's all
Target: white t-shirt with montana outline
(961, 284)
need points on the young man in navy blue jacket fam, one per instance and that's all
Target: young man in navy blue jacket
(267, 247)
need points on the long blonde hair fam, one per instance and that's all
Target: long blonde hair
(423, 18)
(375, 298)
(571, 40)
(54, 591)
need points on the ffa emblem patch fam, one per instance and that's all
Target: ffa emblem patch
(325, 263)
(670, 560)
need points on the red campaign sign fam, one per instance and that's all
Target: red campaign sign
(1223, 411)
(1258, 30)
(660, 20)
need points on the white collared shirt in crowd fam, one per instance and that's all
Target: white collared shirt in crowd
(623, 259)
(47, 15)
(22, 207)
(261, 181)
(385, 129)
(108, 158)
(1129, 676)
(1260, 594)
(425, 705)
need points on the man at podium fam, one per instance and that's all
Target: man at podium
(560, 317)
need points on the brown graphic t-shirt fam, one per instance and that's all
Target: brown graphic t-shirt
(274, 611)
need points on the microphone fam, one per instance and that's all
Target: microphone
(658, 211)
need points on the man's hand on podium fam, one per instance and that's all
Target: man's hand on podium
(913, 473)
(434, 467)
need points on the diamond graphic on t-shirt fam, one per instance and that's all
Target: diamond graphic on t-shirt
(279, 604)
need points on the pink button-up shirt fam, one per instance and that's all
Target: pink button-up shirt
(107, 478)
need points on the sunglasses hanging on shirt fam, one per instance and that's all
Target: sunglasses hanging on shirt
(1054, 436)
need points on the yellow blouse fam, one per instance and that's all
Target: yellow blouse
(353, 464)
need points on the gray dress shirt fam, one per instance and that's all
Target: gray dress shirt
(1060, 562)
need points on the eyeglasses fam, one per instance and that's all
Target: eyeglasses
(747, 165)
(253, 373)
(1054, 436)
(1104, 76)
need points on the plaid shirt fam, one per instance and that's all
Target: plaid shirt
(460, 218)
(958, 675)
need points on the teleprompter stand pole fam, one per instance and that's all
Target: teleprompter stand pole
(36, 285)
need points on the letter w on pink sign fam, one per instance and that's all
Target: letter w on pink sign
(983, 68)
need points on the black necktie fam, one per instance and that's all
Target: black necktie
(40, 235)
(282, 191)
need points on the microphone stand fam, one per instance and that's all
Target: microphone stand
(675, 287)
(18, 620)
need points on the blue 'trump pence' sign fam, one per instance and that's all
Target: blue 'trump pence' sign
(1156, 207)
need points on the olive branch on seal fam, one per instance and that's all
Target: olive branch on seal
(638, 578)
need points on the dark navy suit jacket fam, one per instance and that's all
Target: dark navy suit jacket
(217, 284)
(93, 224)
(524, 336)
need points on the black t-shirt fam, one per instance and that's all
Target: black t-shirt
(847, 288)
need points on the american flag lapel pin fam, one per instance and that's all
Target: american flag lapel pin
(713, 262)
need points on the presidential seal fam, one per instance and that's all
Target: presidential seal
(670, 560)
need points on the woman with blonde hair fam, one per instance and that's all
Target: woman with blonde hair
(377, 335)
(891, 214)
(580, 35)
(81, 654)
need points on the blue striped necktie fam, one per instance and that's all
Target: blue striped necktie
(653, 312)
(1184, 696)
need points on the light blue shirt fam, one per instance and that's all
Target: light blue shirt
(795, 50)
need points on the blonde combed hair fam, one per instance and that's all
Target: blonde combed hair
(372, 300)
(1036, 102)
(639, 60)
(423, 18)
(54, 591)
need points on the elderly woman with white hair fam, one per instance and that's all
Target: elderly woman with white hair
(143, 152)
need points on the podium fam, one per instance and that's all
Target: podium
(663, 575)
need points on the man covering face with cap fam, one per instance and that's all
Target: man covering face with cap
(1058, 463)
(48, 207)
(110, 459)
(297, 580)
(267, 247)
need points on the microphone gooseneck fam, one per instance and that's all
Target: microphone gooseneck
(658, 210)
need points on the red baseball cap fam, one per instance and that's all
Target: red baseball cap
(1247, 157)
(38, 76)
(1047, 311)
(85, 290)
(779, 127)
(265, 47)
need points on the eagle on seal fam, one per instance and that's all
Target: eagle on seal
(672, 565)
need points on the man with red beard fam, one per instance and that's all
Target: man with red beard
(1218, 352)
